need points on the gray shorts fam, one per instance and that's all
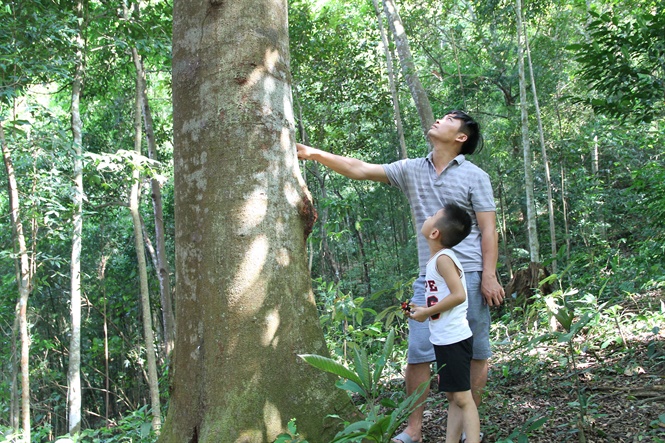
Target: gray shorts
(478, 315)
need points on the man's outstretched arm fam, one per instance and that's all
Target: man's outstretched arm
(347, 166)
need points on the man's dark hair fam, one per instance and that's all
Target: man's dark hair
(454, 226)
(471, 128)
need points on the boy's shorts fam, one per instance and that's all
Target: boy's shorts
(478, 314)
(453, 363)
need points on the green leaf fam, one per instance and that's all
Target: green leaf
(352, 386)
(330, 365)
(361, 363)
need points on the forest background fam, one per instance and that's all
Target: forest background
(574, 151)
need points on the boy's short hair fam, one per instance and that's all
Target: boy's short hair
(454, 226)
(471, 128)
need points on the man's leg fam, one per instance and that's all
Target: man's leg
(478, 315)
(417, 374)
(479, 369)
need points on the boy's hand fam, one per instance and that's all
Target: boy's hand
(419, 313)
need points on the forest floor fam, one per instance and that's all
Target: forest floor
(533, 396)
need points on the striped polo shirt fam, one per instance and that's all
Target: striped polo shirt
(462, 183)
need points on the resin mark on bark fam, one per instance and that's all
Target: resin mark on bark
(307, 213)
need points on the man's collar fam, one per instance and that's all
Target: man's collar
(459, 159)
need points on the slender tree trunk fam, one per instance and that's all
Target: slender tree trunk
(14, 408)
(564, 206)
(408, 67)
(74, 400)
(534, 247)
(546, 163)
(391, 79)
(101, 276)
(148, 334)
(162, 265)
(24, 284)
(504, 226)
(595, 168)
(245, 308)
(327, 256)
(416, 90)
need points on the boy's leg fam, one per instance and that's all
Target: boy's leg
(462, 414)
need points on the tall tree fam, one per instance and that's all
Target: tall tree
(534, 247)
(162, 264)
(74, 401)
(146, 311)
(244, 303)
(408, 66)
(24, 280)
(543, 150)
(391, 80)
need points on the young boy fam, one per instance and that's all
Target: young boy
(449, 329)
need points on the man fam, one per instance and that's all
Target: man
(444, 176)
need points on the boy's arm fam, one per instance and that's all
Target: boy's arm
(347, 166)
(450, 274)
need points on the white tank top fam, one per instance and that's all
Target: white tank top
(450, 326)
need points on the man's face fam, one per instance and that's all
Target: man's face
(447, 129)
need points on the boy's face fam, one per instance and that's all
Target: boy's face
(447, 129)
(429, 226)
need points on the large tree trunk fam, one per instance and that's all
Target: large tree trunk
(74, 400)
(534, 248)
(148, 334)
(408, 67)
(23, 278)
(244, 308)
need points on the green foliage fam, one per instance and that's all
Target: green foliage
(365, 381)
(623, 63)
(522, 433)
(345, 319)
(136, 427)
(291, 436)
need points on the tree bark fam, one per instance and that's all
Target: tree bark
(534, 248)
(148, 333)
(74, 399)
(244, 304)
(408, 67)
(24, 279)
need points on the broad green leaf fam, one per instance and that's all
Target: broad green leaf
(330, 365)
